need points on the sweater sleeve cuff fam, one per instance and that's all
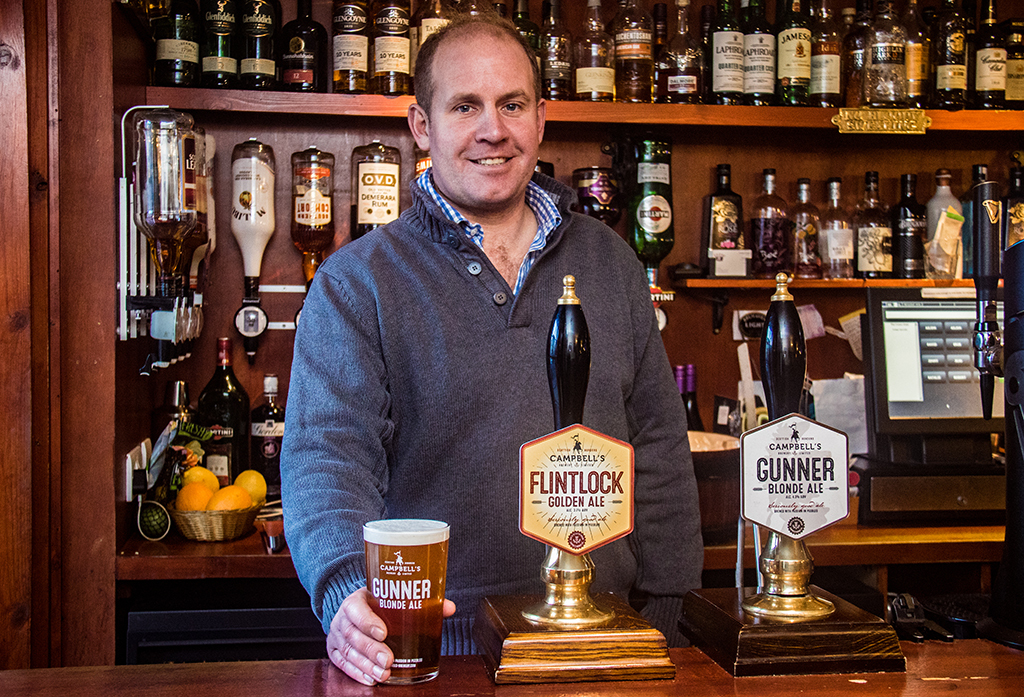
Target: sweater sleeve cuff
(663, 613)
(345, 581)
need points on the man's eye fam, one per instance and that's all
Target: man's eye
(463, 109)
(513, 107)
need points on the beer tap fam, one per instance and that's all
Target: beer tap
(252, 224)
(988, 343)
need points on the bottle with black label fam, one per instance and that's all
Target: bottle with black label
(949, 52)
(267, 429)
(722, 222)
(909, 226)
(224, 409)
(304, 52)
(351, 44)
(556, 68)
(375, 186)
(260, 24)
(873, 232)
(177, 45)
(391, 47)
(649, 227)
(219, 45)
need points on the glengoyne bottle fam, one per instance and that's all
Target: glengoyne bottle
(595, 59)
(873, 233)
(990, 61)
(649, 229)
(177, 45)
(759, 56)
(825, 89)
(949, 53)
(267, 429)
(793, 74)
(219, 45)
(556, 55)
(223, 407)
(836, 243)
(854, 49)
(918, 57)
(945, 222)
(686, 380)
(909, 222)
(633, 30)
(885, 70)
(351, 43)
(312, 206)
(391, 47)
(806, 226)
(722, 220)
(304, 52)
(1015, 64)
(375, 180)
(770, 231)
(681, 64)
(260, 24)
(726, 56)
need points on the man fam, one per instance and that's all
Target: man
(420, 368)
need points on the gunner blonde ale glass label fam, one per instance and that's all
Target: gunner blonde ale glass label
(406, 561)
(576, 489)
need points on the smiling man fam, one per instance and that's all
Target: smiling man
(420, 368)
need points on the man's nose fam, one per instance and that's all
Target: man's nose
(491, 125)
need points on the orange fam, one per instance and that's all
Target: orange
(229, 498)
(193, 497)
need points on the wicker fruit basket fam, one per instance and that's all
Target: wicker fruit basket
(214, 526)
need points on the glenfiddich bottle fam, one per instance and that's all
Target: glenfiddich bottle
(304, 52)
(267, 429)
(825, 89)
(949, 48)
(177, 45)
(873, 232)
(219, 45)
(909, 224)
(632, 30)
(391, 47)
(990, 62)
(793, 72)
(726, 56)
(351, 44)
(312, 206)
(375, 181)
(260, 24)
(680, 71)
(595, 59)
(224, 408)
(649, 226)
(556, 55)
(759, 57)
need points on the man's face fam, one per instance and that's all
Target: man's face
(485, 124)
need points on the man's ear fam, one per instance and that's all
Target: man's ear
(542, 111)
(419, 125)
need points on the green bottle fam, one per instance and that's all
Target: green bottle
(793, 72)
(649, 228)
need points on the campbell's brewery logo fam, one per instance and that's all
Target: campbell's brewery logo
(400, 593)
(654, 214)
(399, 566)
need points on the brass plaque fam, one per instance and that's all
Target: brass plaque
(867, 120)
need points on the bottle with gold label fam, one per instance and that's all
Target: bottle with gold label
(351, 45)
(391, 47)
(312, 206)
(375, 186)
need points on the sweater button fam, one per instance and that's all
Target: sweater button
(453, 242)
(500, 298)
(474, 268)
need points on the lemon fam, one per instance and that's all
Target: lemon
(198, 473)
(193, 497)
(229, 498)
(253, 482)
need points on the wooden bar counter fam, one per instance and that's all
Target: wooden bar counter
(970, 667)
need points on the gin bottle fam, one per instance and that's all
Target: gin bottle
(836, 244)
(885, 72)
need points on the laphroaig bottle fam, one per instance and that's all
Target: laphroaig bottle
(556, 71)
(979, 173)
(873, 233)
(759, 56)
(351, 42)
(375, 186)
(825, 89)
(909, 222)
(806, 224)
(855, 45)
(836, 234)
(649, 227)
(177, 45)
(680, 73)
(945, 223)
(793, 74)
(219, 45)
(770, 231)
(632, 30)
(722, 222)
(885, 70)
(686, 379)
(918, 57)
(267, 429)
(990, 61)
(726, 56)
(260, 24)
(949, 52)
(391, 47)
(312, 206)
(224, 408)
(304, 52)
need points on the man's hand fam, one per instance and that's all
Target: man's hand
(356, 641)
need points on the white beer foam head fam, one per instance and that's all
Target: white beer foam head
(405, 531)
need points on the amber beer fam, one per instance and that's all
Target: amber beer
(406, 561)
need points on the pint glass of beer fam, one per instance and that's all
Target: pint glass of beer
(406, 562)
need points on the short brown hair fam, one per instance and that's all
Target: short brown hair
(489, 22)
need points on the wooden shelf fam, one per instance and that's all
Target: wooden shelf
(176, 558)
(569, 112)
(855, 283)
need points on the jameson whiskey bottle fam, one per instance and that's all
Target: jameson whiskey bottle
(260, 24)
(304, 52)
(990, 61)
(825, 89)
(219, 45)
(793, 74)
(759, 57)
(949, 47)
(633, 30)
(595, 59)
(177, 45)
(375, 181)
(267, 429)
(312, 206)
(224, 408)
(726, 56)
(649, 228)
(909, 225)
(874, 233)
(351, 44)
(391, 47)
(681, 64)
(556, 55)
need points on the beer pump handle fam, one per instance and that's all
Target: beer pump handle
(783, 353)
(568, 357)
(986, 226)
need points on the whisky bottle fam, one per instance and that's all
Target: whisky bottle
(219, 44)
(793, 74)
(825, 89)
(632, 31)
(304, 52)
(918, 57)
(528, 29)
(707, 19)
(836, 243)
(884, 75)
(1015, 64)
(429, 18)
(595, 59)
(312, 206)
(759, 56)
(223, 407)
(990, 62)
(722, 220)
(854, 47)
(351, 44)
(909, 222)
(726, 56)
(949, 59)
(177, 45)
(649, 228)
(659, 34)
(260, 24)
(770, 231)
(267, 435)
(681, 64)
(390, 30)
(873, 233)
(944, 225)
(375, 186)
(806, 227)
(556, 55)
